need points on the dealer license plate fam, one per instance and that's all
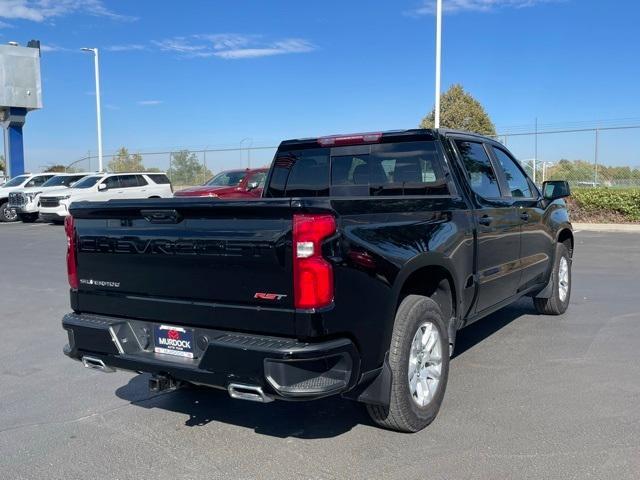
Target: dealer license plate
(171, 340)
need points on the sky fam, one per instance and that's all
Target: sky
(210, 73)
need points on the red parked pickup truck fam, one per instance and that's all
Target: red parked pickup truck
(230, 184)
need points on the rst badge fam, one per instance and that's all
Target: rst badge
(269, 296)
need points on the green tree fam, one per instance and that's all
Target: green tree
(123, 161)
(56, 169)
(459, 110)
(572, 170)
(3, 167)
(186, 169)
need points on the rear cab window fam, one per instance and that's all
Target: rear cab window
(380, 169)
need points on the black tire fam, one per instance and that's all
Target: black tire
(403, 413)
(554, 305)
(7, 214)
(28, 217)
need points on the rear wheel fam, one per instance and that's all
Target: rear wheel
(28, 217)
(419, 363)
(558, 302)
(7, 214)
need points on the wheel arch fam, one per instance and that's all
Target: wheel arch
(431, 274)
(565, 235)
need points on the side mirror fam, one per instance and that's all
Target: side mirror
(102, 187)
(252, 185)
(554, 189)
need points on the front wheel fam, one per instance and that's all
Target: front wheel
(7, 214)
(558, 302)
(419, 363)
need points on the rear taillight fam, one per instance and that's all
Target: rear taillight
(72, 261)
(312, 274)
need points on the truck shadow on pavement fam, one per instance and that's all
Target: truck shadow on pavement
(475, 333)
(324, 418)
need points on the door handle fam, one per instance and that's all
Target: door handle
(524, 216)
(485, 220)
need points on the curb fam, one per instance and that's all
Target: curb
(607, 227)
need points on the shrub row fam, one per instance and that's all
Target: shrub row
(605, 204)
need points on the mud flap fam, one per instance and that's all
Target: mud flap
(378, 390)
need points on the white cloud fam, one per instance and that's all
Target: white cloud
(291, 45)
(42, 10)
(148, 103)
(179, 45)
(5, 25)
(428, 7)
(233, 46)
(227, 41)
(126, 48)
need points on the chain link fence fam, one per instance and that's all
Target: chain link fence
(184, 167)
(594, 157)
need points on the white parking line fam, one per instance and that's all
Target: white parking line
(25, 226)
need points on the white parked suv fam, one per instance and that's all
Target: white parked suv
(26, 202)
(28, 180)
(54, 206)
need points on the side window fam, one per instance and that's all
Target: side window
(73, 179)
(259, 177)
(481, 175)
(128, 181)
(30, 183)
(112, 182)
(141, 181)
(160, 179)
(516, 179)
(37, 181)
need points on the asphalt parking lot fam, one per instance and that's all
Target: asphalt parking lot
(529, 396)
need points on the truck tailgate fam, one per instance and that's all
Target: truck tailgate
(216, 264)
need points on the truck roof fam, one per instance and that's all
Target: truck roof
(373, 137)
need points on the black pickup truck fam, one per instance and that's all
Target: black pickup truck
(350, 276)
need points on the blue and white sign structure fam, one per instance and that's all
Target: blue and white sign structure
(20, 93)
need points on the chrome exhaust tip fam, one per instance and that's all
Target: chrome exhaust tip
(97, 364)
(252, 393)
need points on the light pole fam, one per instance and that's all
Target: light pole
(438, 61)
(98, 114)
(248, 150)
